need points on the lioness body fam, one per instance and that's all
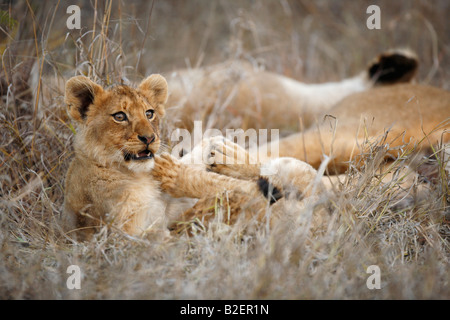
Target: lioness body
(378, 124)
(411, 114)
(237, 94)
(334, 118)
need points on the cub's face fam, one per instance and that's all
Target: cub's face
(119, 126)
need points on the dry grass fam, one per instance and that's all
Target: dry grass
(313, 41)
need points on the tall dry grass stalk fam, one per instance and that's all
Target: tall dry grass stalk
(373, 221)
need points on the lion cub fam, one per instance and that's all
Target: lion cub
(115, 177)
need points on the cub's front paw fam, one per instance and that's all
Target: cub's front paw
(166, 170)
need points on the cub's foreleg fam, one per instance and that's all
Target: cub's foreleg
(181, 180)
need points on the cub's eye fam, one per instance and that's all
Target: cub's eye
(120, 116)
(150, 114)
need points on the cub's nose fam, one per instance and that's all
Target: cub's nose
(147, 139)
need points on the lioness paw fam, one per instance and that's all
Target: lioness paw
(228, 158)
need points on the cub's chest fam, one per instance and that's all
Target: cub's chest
(138, 192)
(143, 190)
(139, 187)
(143, 200)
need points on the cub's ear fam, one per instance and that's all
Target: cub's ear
(79, 95)
(155, 89)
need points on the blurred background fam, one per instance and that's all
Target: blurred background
(313, 41)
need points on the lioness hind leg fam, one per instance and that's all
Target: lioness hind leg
(296, 178)
(290, 175)
(228, 158)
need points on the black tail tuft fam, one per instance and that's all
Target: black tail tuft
(393, 67)
(269, 191)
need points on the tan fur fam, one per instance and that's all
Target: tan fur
(115, 177)
(405, 115)
(237, 94)
(401, 119)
